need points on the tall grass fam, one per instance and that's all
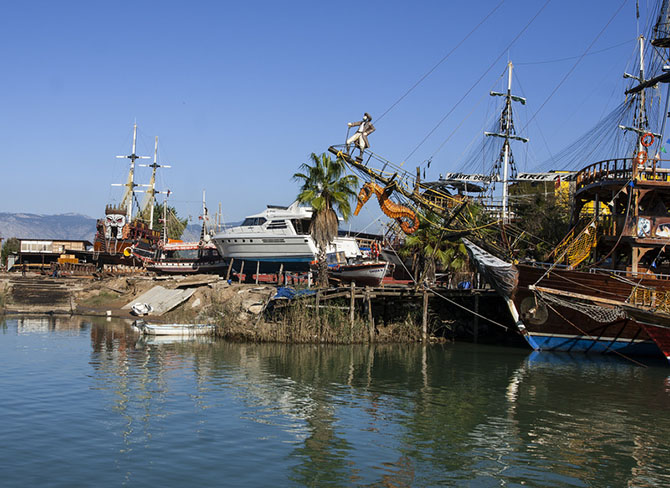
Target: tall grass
(300, 322)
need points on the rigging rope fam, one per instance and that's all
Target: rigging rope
(472, 87)
(442, 296)
(575, 65)
(440, 61)
(574, 57)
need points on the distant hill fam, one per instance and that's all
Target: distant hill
(34, 226)
(62, 226)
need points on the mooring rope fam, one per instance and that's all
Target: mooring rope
(442, 296)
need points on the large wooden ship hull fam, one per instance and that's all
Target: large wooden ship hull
(560, 321)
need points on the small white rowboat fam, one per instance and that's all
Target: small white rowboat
(173, 329)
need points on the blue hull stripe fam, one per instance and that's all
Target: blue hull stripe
(582, 344)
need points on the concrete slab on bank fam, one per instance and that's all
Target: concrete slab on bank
(162, 299)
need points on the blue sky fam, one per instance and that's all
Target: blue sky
(240, 93)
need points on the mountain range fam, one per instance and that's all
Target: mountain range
(70, 226)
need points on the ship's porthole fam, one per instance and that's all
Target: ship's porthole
(532, 311)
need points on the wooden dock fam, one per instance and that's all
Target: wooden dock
(379, 304)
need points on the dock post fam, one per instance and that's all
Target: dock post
(424, 321)
(475, 326)
(239, 276)
(230, 267)
(281, 271)
(352, 304)
(371, 319)
(258, 267)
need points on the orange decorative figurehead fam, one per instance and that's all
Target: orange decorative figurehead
(405, 216)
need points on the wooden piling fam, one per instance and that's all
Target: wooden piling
(239, 276)
(475, 326)
(230, 267)
(424, 321)
(371, 319)
(258, 267)
(352, 304)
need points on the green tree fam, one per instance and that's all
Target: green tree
(175, 225)
(544, 218)
(429, 249)
(10, 246)
(326, 188)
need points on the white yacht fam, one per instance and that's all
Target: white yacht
(276, 236)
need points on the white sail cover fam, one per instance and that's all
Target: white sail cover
(501, 275)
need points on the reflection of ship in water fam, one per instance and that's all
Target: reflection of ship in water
(436, 415)
(585, 438)
(41, 324)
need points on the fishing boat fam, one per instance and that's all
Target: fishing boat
(173, 329)
(178, 257)
(277, 238)
(369, 273)
(364, 271)
(187, 258)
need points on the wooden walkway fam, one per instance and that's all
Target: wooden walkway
(363, 296)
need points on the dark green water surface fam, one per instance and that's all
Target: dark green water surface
(86, 402)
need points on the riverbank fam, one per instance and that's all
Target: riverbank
(239, 311)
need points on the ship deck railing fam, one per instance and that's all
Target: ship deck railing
(623, 169)
(618, 272)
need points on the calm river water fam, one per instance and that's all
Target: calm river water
(86, 402)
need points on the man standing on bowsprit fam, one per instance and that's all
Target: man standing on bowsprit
(360, 138)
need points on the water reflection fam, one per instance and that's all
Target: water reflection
(397, 415)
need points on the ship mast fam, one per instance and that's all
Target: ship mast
(641, 121)
(662, 40)
(507, 133)
(130, 184)
(150, 198)
(205, 219)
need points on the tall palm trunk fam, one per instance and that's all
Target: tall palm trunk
(322, 265)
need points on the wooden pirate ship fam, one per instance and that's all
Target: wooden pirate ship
(606, 287)
(123, 234)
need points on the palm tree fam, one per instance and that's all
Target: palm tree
(326, 188)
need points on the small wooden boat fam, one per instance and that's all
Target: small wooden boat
(173, 329)
(370, 273)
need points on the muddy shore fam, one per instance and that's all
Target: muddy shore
(238, 310)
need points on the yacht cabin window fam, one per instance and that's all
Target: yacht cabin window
(277, 224)
(250, 221)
